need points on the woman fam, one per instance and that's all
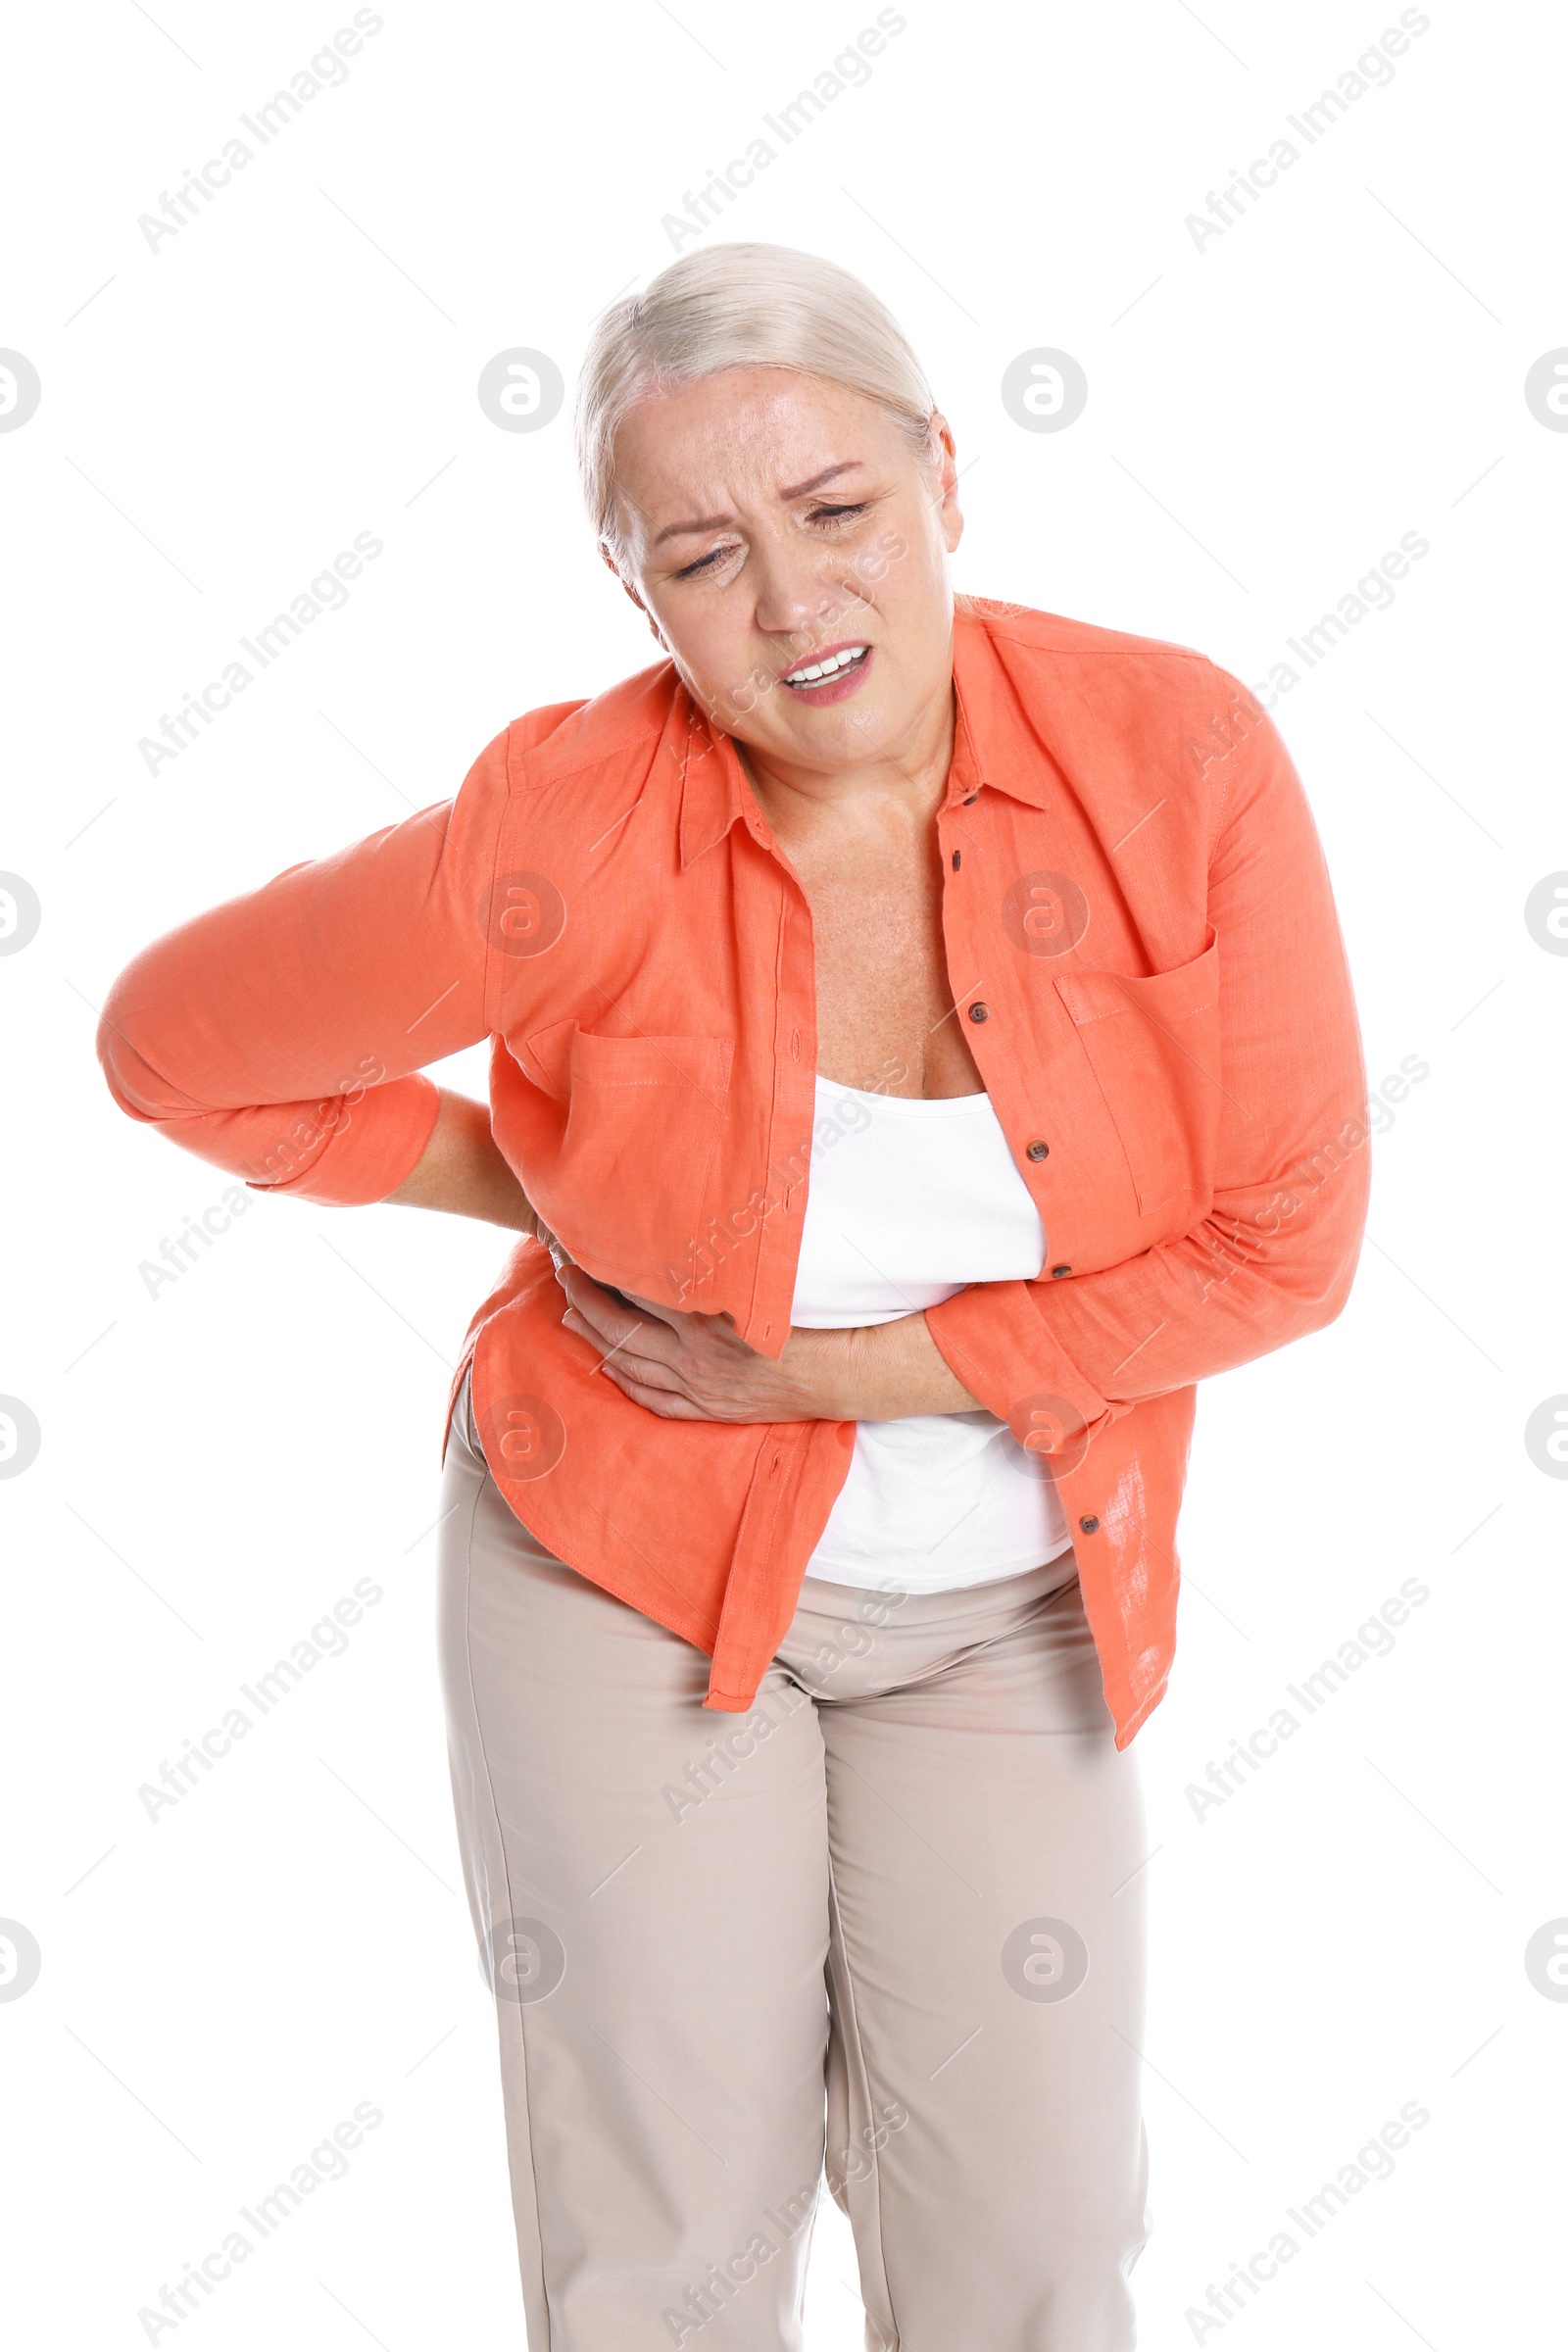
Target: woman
(922, 1042)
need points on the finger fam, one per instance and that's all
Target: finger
(671, 1316)
(665, 1348)
(682, 1319)
(629, 1354)
(580, 1320)
(687, 1321)
(590, 1326)
(665, 1403)
(648, 1372)
(573, 1277)
(579, 1279)
(602, 1306)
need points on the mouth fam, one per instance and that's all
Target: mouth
(830, 674)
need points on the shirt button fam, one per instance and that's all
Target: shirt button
(979, 1012)
(1089, 1525)
(957, 860)
(1059, 1271)
(1039, 1150)
(973, 796)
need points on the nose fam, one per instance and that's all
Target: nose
(791, 585)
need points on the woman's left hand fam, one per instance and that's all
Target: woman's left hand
(696, 1367)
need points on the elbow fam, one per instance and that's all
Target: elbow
(1330, 1273)
(1334, 1298)
(118, 1059)
(136, 1085)
(1309, 1270)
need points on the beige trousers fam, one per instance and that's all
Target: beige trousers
(909, 1878)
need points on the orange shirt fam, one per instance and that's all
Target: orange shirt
(1142, 935)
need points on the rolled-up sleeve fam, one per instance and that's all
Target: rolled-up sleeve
(1274, 1257)
(281, 1035)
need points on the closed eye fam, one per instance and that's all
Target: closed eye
(819, 513)
(714, 555)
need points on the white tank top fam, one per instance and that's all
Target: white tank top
(909, 1202)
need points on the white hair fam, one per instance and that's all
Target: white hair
(738, 306)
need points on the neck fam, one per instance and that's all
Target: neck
(912, 768)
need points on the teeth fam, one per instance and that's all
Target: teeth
(828, 668)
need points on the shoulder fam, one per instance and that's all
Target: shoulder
(1112, 709)
(1050, 650)
(613, 732)
(562, 766)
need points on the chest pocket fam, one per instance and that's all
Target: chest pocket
(644, 1119)
(1154, 1047)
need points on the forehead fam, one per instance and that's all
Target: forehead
(739, 439)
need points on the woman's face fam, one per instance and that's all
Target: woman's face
(774, 521)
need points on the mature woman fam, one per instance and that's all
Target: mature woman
(921, 1050)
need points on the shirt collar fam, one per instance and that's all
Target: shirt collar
(1003, 744)
(714, 791)
(994, 746)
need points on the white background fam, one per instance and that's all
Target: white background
(220, 1462)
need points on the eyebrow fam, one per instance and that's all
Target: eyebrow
(715, 523)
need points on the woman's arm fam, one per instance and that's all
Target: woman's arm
(1272, 1260)
(462, 1171)
(283, 1035)
(1274, 1257)
(687, 1367)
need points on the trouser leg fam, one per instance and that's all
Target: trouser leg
(655, 1907)
(987, 1972)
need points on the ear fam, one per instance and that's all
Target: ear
(612, 565)
(944, 460)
